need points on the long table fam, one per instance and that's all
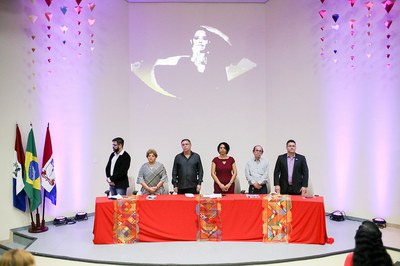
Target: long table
(174, 218)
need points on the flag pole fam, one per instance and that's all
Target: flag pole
(44, 192)
(36, 227)
(34, 180)
(33, 225)
(44, 196)
(44, 203)
(41, 226)
(37, 219)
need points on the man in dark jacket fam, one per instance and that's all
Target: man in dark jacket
(291, 172)
(117, 168)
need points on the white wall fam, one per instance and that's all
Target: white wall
(84, 100)
(206, 111)
(343, 115)
(346, 123)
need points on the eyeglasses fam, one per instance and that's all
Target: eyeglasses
(259, 150)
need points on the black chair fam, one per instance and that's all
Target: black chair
(107, 192)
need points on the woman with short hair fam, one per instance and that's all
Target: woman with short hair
(223, 170)
(152, 175)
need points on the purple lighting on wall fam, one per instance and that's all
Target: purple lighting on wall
(383, 151)
(362, 122)
(59, 60)
(340, 133)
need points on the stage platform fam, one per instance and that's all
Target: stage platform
(75, 242)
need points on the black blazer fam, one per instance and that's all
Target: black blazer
(300, 173)
(121, 167)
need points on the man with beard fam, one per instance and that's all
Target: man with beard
(291, 172)
(117, 168)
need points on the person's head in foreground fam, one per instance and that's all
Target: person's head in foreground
(369, 249)
(17, 257)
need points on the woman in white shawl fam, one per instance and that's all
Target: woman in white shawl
(152, 175)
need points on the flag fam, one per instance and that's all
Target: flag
(19, 195)
(32, 174)
(48, 175)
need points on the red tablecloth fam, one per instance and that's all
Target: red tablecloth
(174, 218)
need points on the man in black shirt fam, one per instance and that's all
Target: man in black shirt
(187, 172)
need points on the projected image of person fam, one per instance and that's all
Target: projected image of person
(200, 50)
(199, 70)
(152, 175)
(223, 170)
(206, 69)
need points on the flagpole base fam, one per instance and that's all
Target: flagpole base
(38, 229)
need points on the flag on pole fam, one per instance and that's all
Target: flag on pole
(19, 195)
(32, 174)
(48, 175)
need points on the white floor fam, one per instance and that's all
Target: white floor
(74, 242)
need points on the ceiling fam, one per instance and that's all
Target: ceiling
(197, 1)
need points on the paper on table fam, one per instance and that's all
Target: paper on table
(118, 196)
(212, 196)
(253, 196)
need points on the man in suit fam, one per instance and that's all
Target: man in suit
(117, 168)
(291, 172)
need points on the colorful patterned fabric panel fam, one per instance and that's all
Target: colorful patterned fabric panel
(277, 218)
(126, 218)
(209, 219)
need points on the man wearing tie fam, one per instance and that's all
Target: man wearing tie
(291, 172)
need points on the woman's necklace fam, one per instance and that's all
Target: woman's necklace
(224, 157)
